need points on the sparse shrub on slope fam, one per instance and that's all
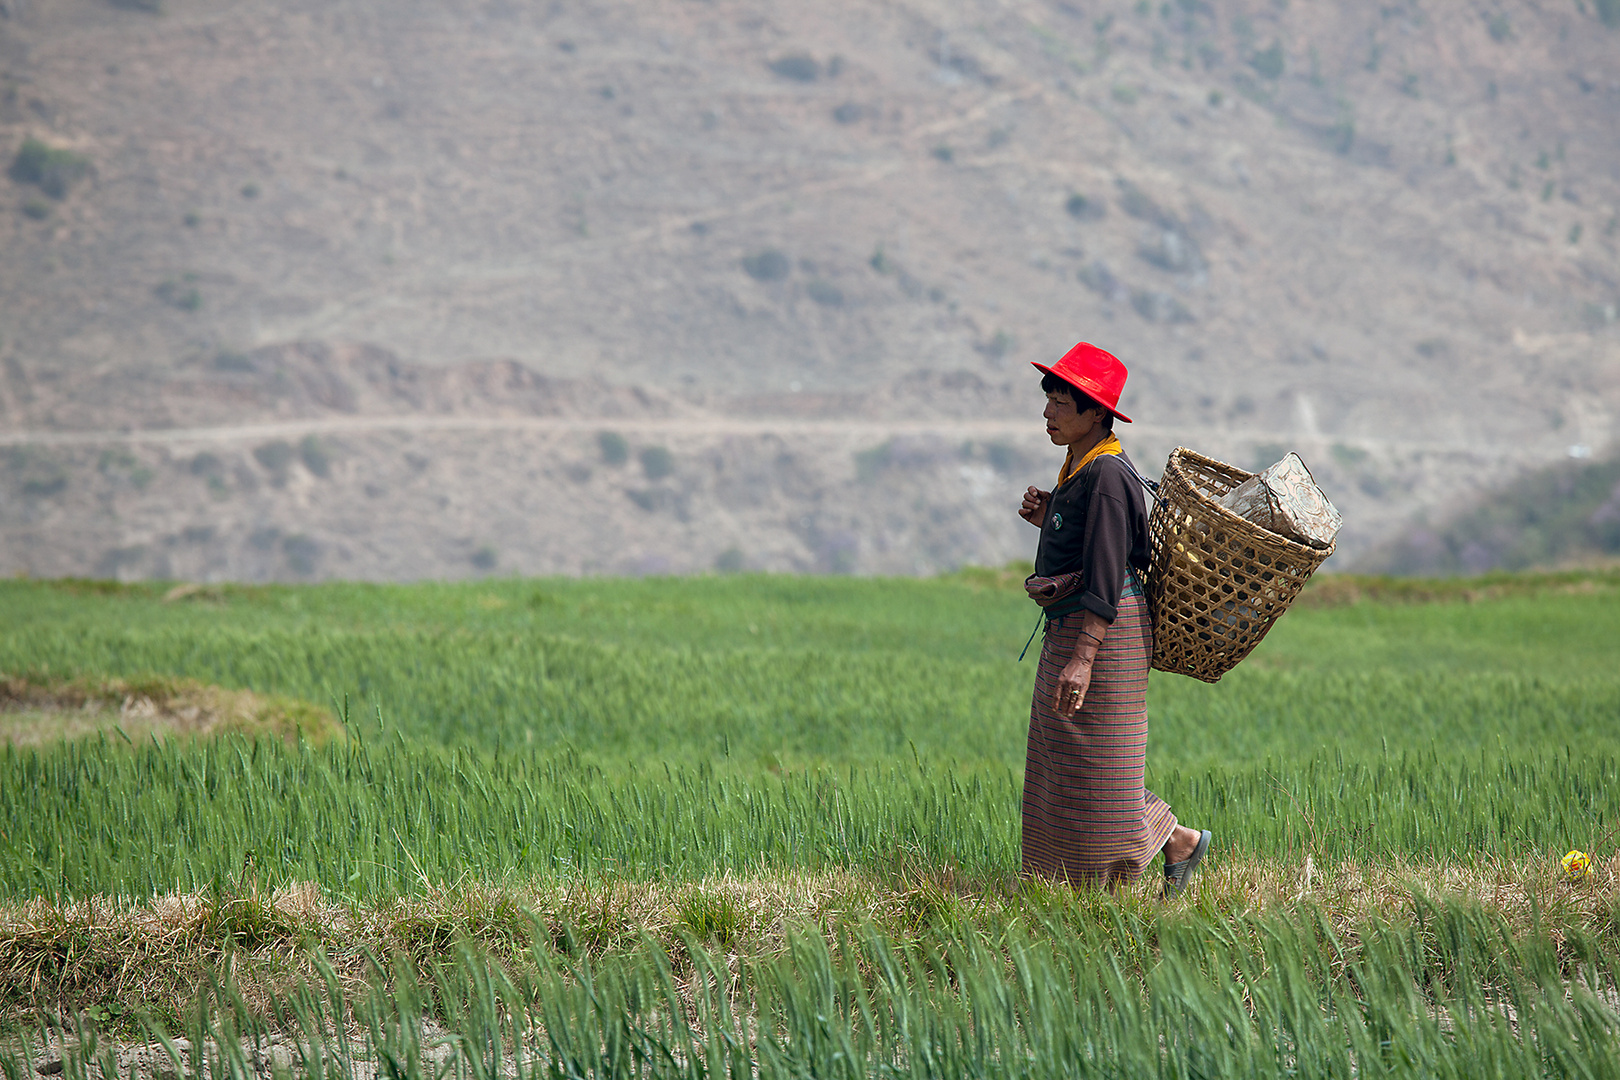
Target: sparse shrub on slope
(303, 553)
(316, 458)
(1160, 307)
(767, 265)
(42, 487)
(1566, 513)
(124, 468)
(1343, 134)
(179, 294)
(997, 347)
(1172, 250)
(37, 474)
(276, 457)
(1269, 63)
(825, 293)
(615, 450)
(800, 67)
(1140, 205)
(1005, 458)
(657, 462)
(1097, 277)
(52, 169)
(1083, 208)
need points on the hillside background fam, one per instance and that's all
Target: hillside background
(295, 290)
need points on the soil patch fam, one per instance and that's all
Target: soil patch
(38, 710)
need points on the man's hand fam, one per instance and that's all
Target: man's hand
(1034, 508)
(1072, 686)
(1076, 678)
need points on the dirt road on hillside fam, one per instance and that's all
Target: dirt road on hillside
(695, 426)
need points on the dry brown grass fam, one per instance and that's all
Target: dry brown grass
(153, 956)
(38, 709)
(1336, 590)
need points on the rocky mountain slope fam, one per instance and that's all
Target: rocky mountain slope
(811, 246)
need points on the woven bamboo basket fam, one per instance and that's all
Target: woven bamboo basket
(1217, 582)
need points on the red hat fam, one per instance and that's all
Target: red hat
(1095, 373)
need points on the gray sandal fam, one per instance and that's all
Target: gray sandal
(1176, 874)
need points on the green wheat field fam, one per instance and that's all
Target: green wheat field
(768, 826)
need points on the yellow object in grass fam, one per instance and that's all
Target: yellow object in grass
(1577, 864)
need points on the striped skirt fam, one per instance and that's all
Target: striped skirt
(1088, 819)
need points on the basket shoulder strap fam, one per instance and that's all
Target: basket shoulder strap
(1151, 485)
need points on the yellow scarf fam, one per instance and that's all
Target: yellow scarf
(1109, 445)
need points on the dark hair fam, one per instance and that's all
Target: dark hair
(1051, 384)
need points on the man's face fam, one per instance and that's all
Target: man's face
(1065, 425)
